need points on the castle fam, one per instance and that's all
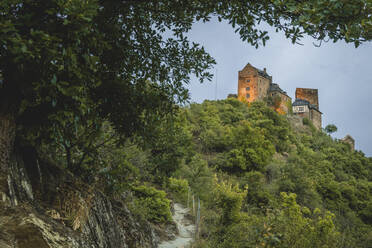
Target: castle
(257, 85)
(307, 105)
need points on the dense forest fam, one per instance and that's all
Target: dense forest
(264, 180)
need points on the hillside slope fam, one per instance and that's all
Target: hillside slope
(263, 180)
(278, 181)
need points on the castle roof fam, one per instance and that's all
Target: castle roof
(261, 73)
(275, 87)
(312, 106)
(300, 102)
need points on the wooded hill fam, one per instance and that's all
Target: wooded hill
(263, 184)
(263, 181)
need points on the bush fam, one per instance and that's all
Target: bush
(229, 199)
(330, 128)
(179, 189)
(198, 175)
(306, 121)
(152, 204)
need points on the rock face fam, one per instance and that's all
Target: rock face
(45, 207)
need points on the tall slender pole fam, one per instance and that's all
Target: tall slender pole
(197, 220)
(188, 197)
(215, 90)
(193, 205)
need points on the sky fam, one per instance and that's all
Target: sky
(341, 73)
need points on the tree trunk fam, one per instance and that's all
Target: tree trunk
(7, 135)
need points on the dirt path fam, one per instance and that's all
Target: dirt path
(185, 228)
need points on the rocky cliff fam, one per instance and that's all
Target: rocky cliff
(42, 205)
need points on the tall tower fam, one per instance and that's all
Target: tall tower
(307, 105)
(310, 95)
(253, 84)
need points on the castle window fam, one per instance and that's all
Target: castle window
(301, 109)
(248, 80)
(247, 95)
(248, 88)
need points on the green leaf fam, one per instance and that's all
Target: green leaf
(54, 79)
(23, 48)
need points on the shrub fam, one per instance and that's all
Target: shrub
(330, 128)
(229, 198)
(179, 189)
(152, 204)
(306, 121)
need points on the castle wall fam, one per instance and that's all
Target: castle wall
(247, 84)
(311, 95)
(263, 87)
(304, 114)
(349, 140)
(316, 118)
(284, 102)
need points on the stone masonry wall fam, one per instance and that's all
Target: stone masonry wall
(310, 95)
(263, 87)
(349, 140)
(304, 115)
(284, 102)
(316, 118)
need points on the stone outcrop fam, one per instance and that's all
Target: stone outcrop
(43, 206)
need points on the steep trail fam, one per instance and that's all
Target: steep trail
(185, 228)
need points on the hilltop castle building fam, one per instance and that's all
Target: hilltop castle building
(257, 85)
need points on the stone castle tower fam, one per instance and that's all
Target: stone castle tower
(253, 84)
(307, 105)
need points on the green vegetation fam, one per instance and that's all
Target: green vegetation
(330, 128)
(261, 184)
(152, 204)
(289, 106)
(179, 189)
(275, 187)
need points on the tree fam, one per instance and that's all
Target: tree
(79, 62)
(330, 128)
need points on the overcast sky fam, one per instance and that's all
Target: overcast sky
(342, 73)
